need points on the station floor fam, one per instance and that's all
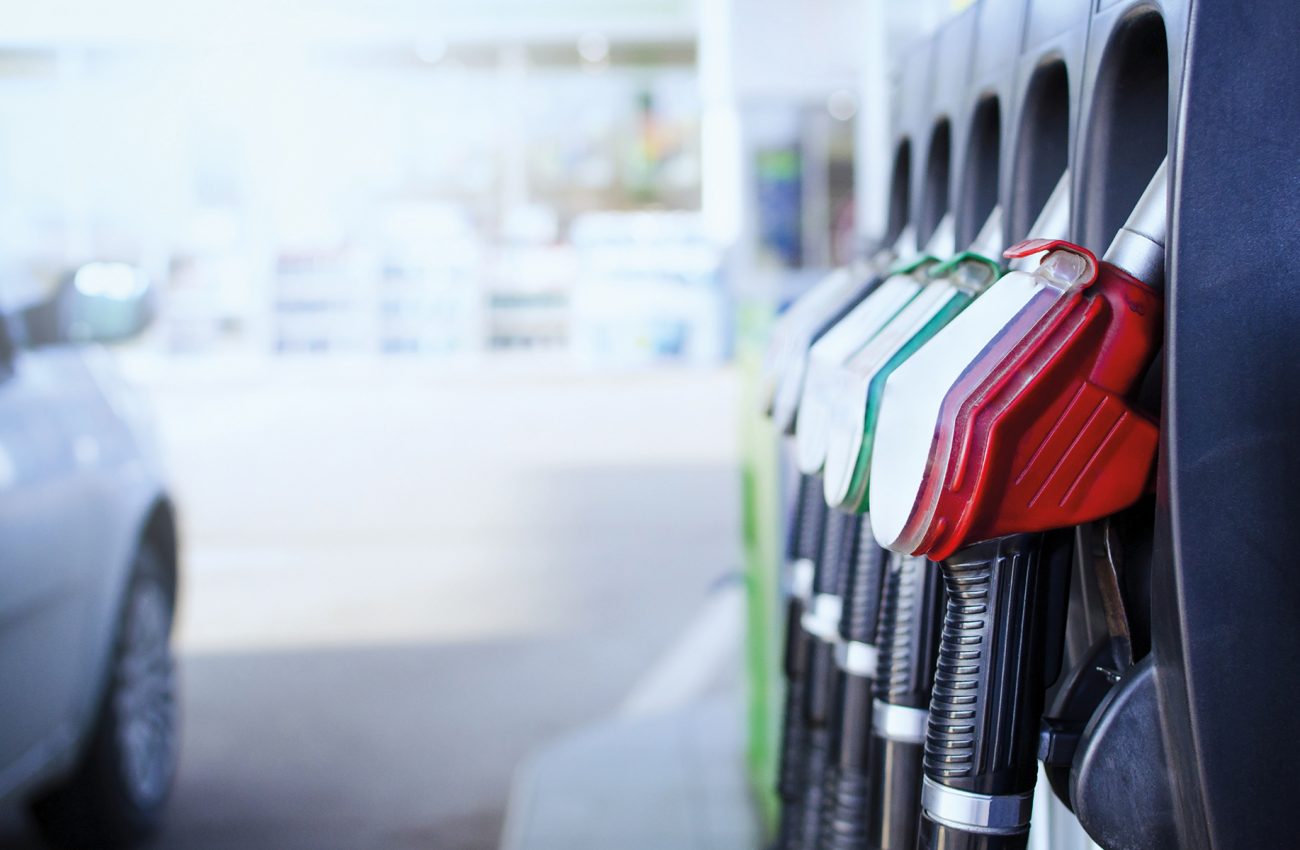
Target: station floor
(678, 784)
(403, 585)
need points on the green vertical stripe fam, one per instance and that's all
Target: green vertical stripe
(762, 527)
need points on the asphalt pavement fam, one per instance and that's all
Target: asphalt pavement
(401, 582)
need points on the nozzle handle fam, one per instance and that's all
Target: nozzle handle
(862, 603)
(908, 631)
(839, 541)
(907, 640)
(810, 519)
(1005, 599)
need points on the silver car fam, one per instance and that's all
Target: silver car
(88, 571)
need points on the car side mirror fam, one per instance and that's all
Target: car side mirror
(100, 302)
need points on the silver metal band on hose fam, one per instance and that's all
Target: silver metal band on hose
(1000, 814)
(900, 723)
(856, 658)
(801, 578)
(822, 619)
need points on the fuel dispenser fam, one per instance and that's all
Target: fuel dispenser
(1013, 418)
(852, 388)
(858, 812)
(1015, 421)
(808, 319)
(784, 370)
(850, 335)
(811, 660)
(868, 774)
(906, 638)
(912, 601)
(801, 821)
(847, 797)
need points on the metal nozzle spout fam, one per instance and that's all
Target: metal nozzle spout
(1139, 247)
(988, 242)
(1053, 220)
(905, 245)
(943, 242)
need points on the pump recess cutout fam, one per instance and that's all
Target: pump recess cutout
(1128, 126)
(979, 192)
(934, 198)
(1042, 146)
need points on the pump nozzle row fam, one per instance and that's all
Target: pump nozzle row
(974, 413)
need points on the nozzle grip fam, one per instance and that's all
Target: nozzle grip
(906, 642)
(843, 824)
(1001, 634)
(838, 543)
(809, 520)
(908, 632)
(989, 680)
(862, 600)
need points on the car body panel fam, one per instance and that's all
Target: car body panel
(78, 481)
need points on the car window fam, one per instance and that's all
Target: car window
(7, 347)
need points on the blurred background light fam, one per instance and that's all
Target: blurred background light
(110, 280)
(449, 298)
(842, 104)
